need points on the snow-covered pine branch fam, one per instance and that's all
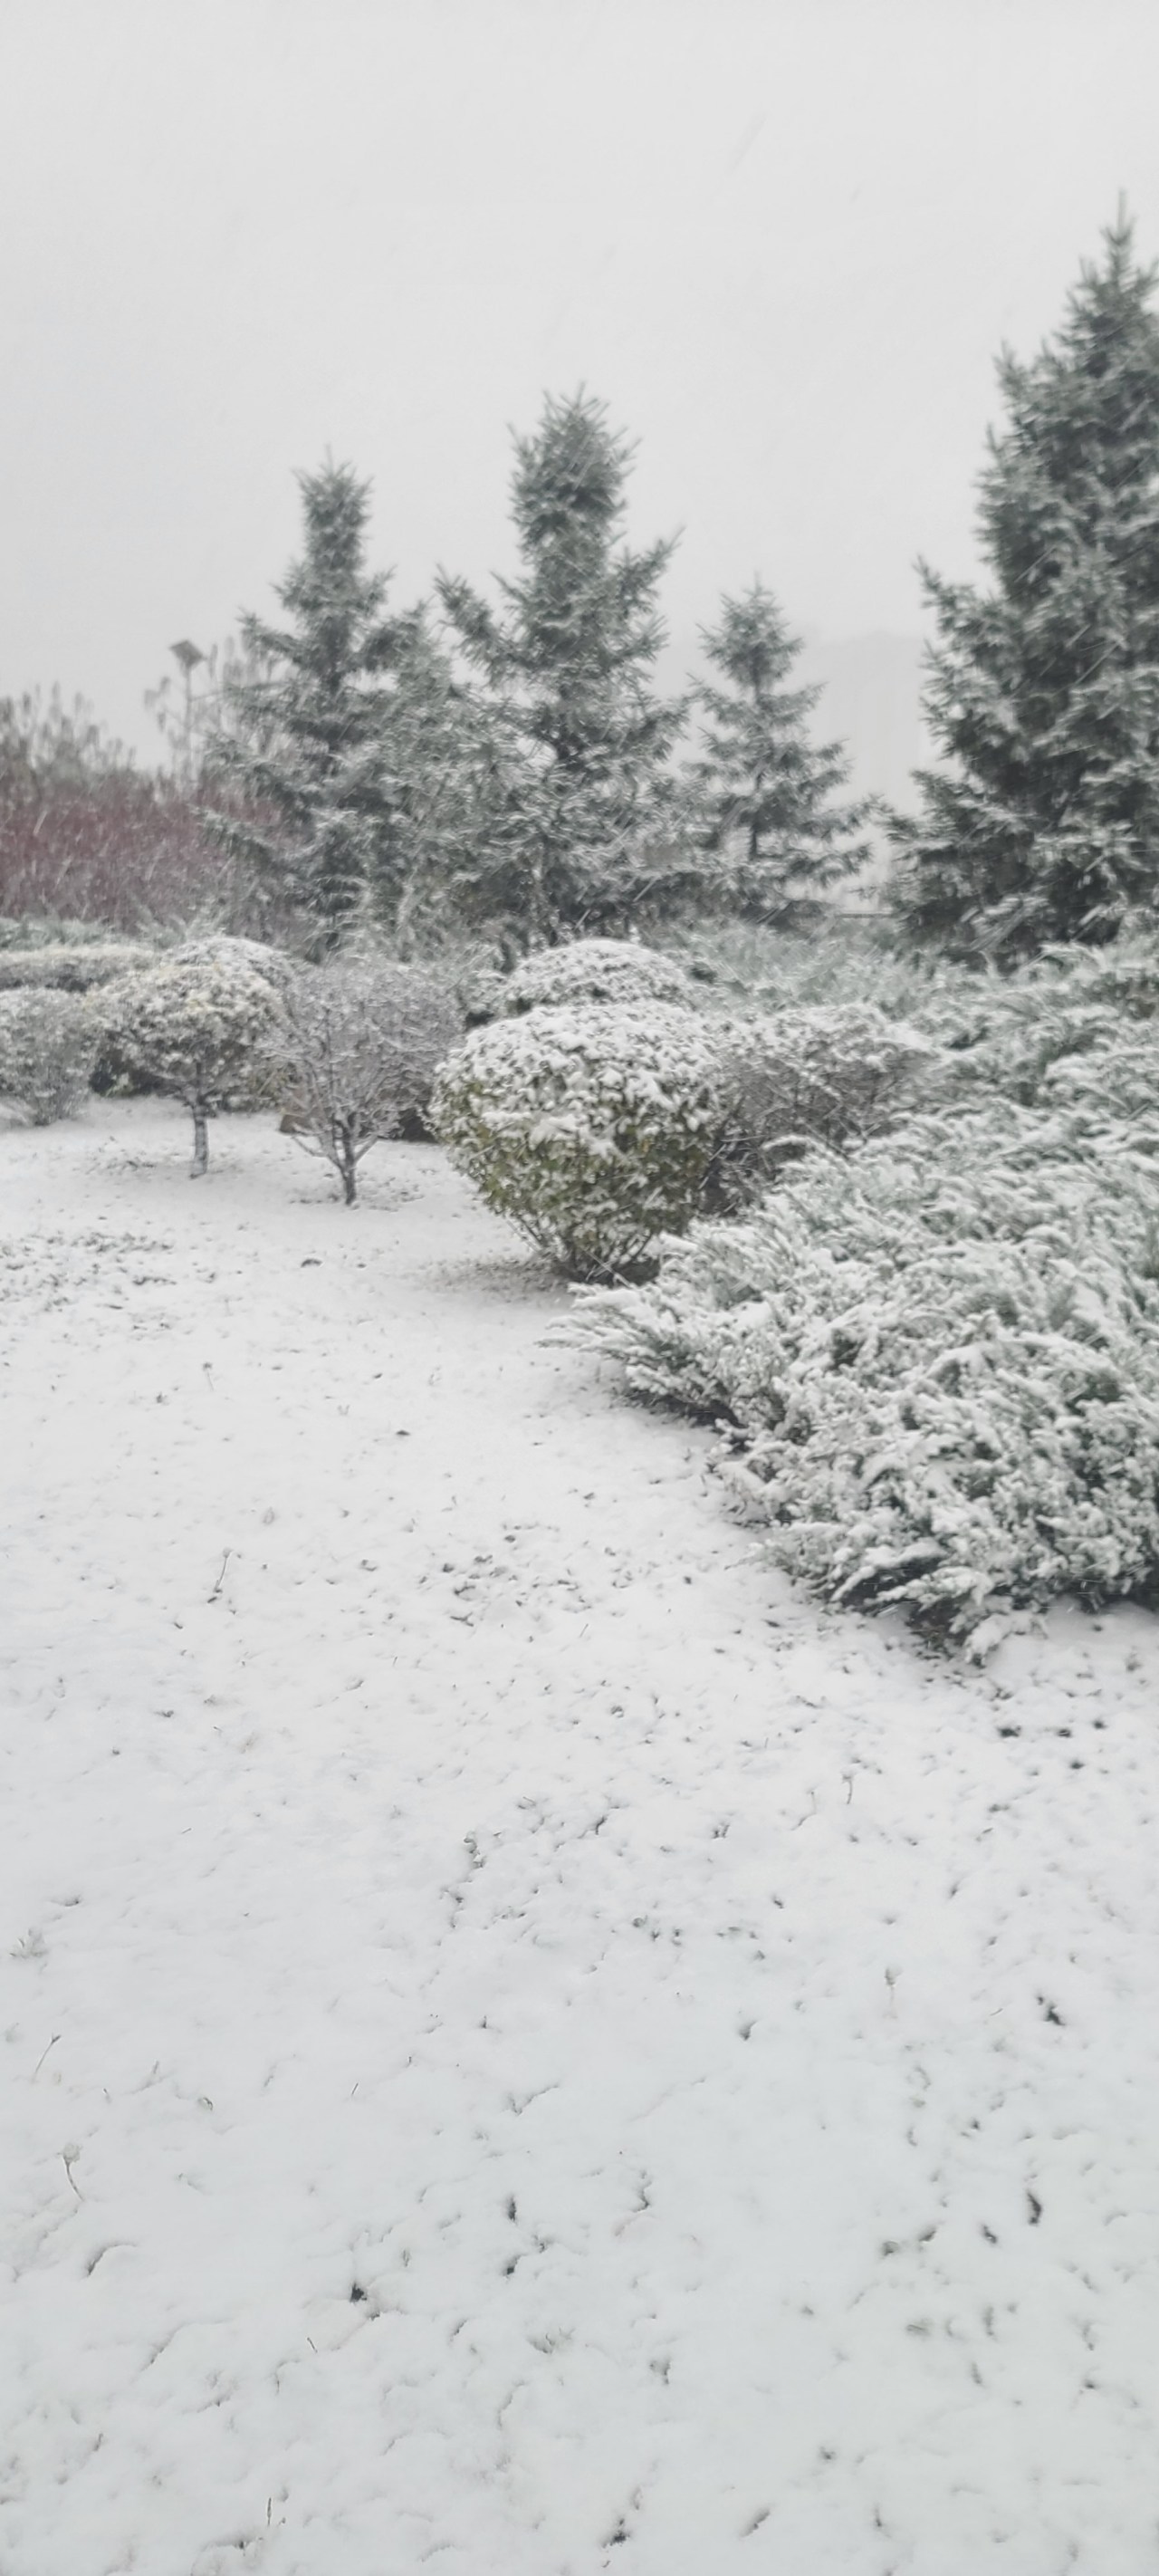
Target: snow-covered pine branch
(939, 1357)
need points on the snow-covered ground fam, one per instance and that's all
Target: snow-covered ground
(528, 2049)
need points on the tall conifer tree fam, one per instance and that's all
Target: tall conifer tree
(308, 739)
(761, 793)
(1043, 691)
(445, 790)
(577, 740)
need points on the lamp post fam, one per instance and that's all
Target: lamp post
(187, 656)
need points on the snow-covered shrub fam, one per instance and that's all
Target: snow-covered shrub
(50, 930)
(69, 969)
(192, 1027)
(220, 949)
(595, 970)
(939, 1356)
(355, 1058)
(248, 1087)
(48, 1045)
(480, 985)
(1112, 1086)
(748, 967)
(1007, 1034)
(591, 1127)
(797, 1078)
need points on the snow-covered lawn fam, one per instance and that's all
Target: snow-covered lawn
(527, 2048)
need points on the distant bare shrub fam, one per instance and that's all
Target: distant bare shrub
(86, 834)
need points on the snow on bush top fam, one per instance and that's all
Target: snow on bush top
(191, 1024)
(941, 1358)
(590, 1126)
(595, 970)
(66, 968)
(220, 949)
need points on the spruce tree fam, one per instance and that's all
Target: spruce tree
(761, 792)
(306, 740)
(574, 742)
(1043, 690)
(440, 767)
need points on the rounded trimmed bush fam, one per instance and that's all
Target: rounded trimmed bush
(220, 948)
(591, 1127)
(48, 1047)
(191, 1027)
(595, 970)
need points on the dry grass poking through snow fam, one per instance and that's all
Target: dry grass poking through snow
(527, 2048)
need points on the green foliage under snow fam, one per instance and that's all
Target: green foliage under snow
(1027, 1036)
(940, 1359)
(591, 1127)
(745, 967)
(49, 930)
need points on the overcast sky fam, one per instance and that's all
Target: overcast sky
(782, 239)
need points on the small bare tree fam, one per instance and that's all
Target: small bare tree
(358, 1055)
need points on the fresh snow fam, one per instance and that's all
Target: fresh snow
(529, 2048)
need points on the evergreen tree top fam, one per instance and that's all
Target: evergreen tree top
(569, 477)
(1082, 445)
(334, 602)
(1043, 690)
(752, 647)
(761, 781)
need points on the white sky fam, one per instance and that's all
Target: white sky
(781, 238)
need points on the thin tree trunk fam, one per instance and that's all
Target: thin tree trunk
(200, 1140)
(346, 1160)
(537, 907)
